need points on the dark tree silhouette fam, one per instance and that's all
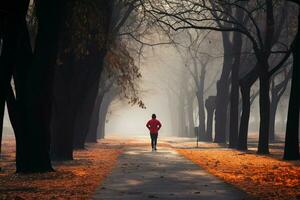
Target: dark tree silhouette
(33, 75)
(291, 150)
(210, 105)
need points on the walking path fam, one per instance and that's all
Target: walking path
(141, 174)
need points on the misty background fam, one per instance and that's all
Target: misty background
(163, 67)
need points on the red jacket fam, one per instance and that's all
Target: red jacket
(153, 125)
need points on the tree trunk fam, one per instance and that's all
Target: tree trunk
(291, 149)
(14, 119)
(85, 113)
(173, 113)
(243, 131)
(264, 110)
(222, 98)
(68, 88)
(25, 55)
(10, 36)
(273, 110)
(92, 133)
(245, 83)
(1, 123)
(201, 114)
(107, 99)
(234, 95)
(181, 116)
(221, 111)
(191, 124)
(210, 109)
(63, 128)
(37, 94)
(64, 115)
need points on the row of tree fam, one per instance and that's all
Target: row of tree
(62, 62)
(260, 42)
(69, 59)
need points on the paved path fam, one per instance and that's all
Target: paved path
(163, 175)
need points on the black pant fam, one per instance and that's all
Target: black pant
(153, 139)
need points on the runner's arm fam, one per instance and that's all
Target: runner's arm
(148, 125)
(159, 125)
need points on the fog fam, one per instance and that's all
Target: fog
(163, 70)
(124, 119)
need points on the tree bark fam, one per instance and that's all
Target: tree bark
(107, 99)
(68, 87)
(210, 109)
(9, 34)
(190, 116)
(86, 108)
(273, 110)
(34, 76)
(234, 95)
(201, 114)
(102, 121)
(245, 85)
(291, 149)
(243, 131)
(264, 110)
(222, 98)
(181, 116)
(92, 133)
(201, 106)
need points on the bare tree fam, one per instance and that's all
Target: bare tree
(203, 15)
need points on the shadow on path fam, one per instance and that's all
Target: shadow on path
(141, 174)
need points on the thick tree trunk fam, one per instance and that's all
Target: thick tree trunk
(234, 95)
(92, 133)
(273, 110)
(85, 113)
(103, 113)
(14, 119)
(101, 126)
(2, 104)
(36, 93)
(264, 110)
(245, 85)
(221, 111)
(291, 149)
(64, 115)
(222, 98)
(102, 122)
(63, 129)
(1, 128)
(243, 131)
(32, 149)
(10, 34)
(80, 79)
(24, 61)
(68, 87)
(210, 109)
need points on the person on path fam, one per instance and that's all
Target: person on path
(153, 125)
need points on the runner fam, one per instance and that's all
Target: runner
(153, 125)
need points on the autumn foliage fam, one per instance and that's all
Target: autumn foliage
(261, 176)
(75, 179)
